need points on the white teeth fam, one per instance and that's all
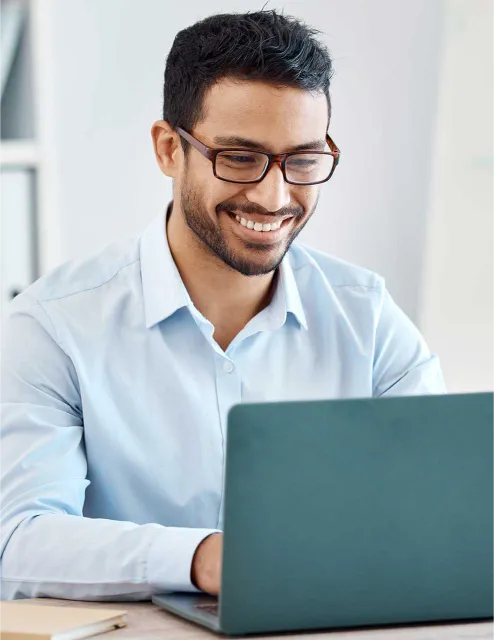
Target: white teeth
(258, 226)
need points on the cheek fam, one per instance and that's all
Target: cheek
(201, 187)
(307, 197)
(221, 191)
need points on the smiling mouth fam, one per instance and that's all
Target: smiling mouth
(263, 227)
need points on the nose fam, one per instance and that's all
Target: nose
(272, 192)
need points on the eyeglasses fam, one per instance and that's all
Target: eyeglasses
(248, 167)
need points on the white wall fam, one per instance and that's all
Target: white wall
(106, 61)
(458, 289)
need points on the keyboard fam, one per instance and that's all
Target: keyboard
(208, 608)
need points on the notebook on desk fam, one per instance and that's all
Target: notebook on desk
(22, 620)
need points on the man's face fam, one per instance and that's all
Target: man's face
(277, 120)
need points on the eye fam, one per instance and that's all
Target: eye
(239, 159)
(242, 159)
(302, 162)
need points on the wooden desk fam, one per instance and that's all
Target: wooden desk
(145, 621)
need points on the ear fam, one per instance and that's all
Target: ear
(167, 148)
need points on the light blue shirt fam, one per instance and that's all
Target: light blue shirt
(115, 402)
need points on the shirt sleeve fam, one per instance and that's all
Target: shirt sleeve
(403, 364)
(48, 548)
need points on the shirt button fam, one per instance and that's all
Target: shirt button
(228, 366)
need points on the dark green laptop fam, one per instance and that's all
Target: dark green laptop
(346, 513)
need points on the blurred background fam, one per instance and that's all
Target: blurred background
(412, 101)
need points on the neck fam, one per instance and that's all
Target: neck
(227, 298)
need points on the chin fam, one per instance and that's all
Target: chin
(245, 263)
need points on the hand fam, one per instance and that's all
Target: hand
(206, 564)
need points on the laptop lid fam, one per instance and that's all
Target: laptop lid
(358, 512)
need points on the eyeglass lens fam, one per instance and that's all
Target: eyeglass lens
(247, 166)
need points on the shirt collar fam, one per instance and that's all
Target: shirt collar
(164, 292)
(162, 287)
(290, 291)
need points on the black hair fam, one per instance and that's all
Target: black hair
(262, 45)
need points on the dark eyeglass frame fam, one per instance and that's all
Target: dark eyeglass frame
(211, 154)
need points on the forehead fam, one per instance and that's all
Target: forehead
(280, 116)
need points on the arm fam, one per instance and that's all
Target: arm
(47, 547)
(403, 364)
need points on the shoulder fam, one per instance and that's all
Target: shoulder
(80, 298)
(332, 272)
(104, 269)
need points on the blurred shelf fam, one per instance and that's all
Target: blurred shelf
(18, 153)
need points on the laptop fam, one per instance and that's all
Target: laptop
(350, 513)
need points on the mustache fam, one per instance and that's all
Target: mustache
(248, 207)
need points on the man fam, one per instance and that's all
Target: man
(119, 371)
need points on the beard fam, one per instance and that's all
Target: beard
(256, 259)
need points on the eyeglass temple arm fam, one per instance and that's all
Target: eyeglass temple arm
(333, 147)
(202, 148)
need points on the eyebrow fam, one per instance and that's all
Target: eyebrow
(236, 141)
